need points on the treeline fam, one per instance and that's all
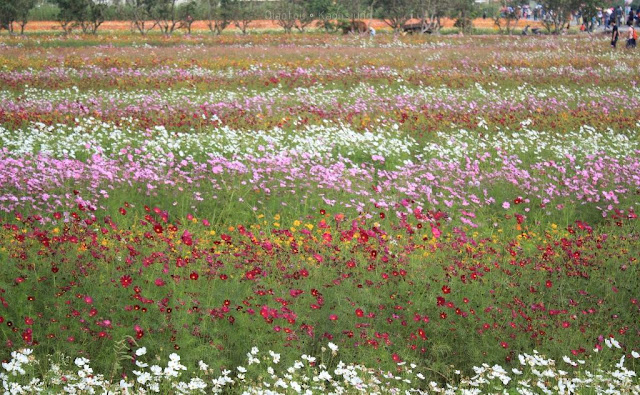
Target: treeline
(168, 16)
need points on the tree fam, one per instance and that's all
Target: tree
(186, 12)
(8, 15)
(164, 13)
(290, 14)
(317, 10)
(95, 16)
(507, 17)
(558, 12)
(431, 13)
(284, 13)
(244, 12)
(306, 14)
(70, 13)
(462, 10)
(359, 9)
(88, 14)
(396, 13)
(140, 14)
(219, 15)
(15, 11)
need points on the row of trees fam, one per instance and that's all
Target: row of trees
(170, 15)
(15, 12)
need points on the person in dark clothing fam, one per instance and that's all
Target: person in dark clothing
(615, 35)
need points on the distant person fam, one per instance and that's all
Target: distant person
(372, 31)
(632, 37)
(615, 35)
(599, 16)
(619, 15)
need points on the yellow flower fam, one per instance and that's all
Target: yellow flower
(297, 223)
(276, 217)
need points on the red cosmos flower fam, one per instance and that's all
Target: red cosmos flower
(159, 282)
(333, 317)
(28, 320)
(446, 289)
(157, 228)
(566, 324)
(504, 344)
(123, 211)
(125, 281)
(548, 284)
(27, 335)
(443, 315)
(359, 313)
(186, 238)
(396, 358)
(57, 215)
(193, 276)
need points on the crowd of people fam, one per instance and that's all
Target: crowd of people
(609, 18)
(613, 18)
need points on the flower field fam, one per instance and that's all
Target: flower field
(312, 213)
